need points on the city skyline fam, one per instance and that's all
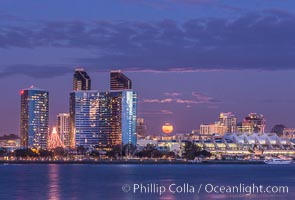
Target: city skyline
(240, 118)
(189, 60)
(147, 99)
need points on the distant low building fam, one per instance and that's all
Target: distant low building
(254, 123)
(230, 143)
(10, 142)
(210, 129)
(289, 133)
(229, 120)
(141, 128)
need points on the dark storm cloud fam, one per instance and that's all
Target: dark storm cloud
(35, 71)
(262, 41)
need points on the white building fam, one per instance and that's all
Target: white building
(63, 128)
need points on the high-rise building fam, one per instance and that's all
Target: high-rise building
(255, 121)
(63, 128)
(110, 120)
(34, 118)
(229, 120)
(118, 81)
(84, 113)
(106, 119)
(81, 80)
(117, 118)
(129, 117)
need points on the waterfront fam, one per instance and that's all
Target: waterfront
(52, 181)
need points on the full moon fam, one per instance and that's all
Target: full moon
(167, 128)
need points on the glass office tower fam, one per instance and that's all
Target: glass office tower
(81, 80)
(34, 118)
(103, 119)
(84, 113)
(119, 81)
(110, 117)
(117, 118)
(129, 118)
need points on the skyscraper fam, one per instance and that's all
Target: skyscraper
(34, 118)
(110, 119)
(118, 81)
(81, 80)
(63, 128)
(129, 117)
(117, 118)
(84, 113)
(106, 119)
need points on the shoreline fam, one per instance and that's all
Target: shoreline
(137, 162)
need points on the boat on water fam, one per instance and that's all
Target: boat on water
(277, 161)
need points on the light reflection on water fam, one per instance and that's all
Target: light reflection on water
(53, 182)
(62, 182)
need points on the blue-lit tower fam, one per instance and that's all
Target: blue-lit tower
(84, 113)
(34, 118)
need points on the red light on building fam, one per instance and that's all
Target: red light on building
(21, 92)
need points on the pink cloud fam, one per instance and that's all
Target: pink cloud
(186, 101)
(196, 98)
(169, 100)
(172, 94)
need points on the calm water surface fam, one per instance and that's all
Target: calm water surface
(60, 182)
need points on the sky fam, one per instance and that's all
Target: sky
(189, 60)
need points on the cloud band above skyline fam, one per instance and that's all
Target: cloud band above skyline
(263, 41)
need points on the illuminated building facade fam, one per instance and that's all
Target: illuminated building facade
(255, 122)
(110, 118)
(117, 118)
(63, 128)
(244, 128)
(129, 117)
(10, 144)
(81, 80)
(103, 119)
(211, 129)
(289, 133)
(34, 118)
(84, 114)
(229, 120)
(119, 81)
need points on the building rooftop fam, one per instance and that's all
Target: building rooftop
(33, 88)
(78, 69)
